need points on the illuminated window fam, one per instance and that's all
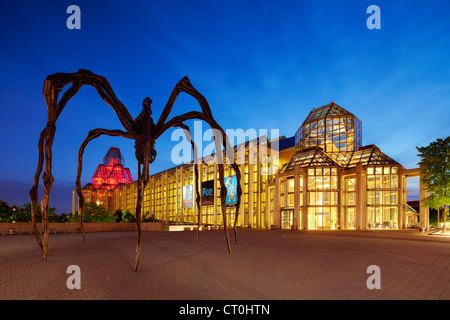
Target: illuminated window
(323, 198)
(332, 128)
(382, 197)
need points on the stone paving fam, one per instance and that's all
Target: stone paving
(265, 265)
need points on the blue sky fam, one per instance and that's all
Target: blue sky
(260, 64)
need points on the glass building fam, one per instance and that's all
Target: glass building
(321, 178)
(108, 179)
(332, 128)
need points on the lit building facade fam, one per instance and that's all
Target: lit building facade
(322, 178)
(108, 180)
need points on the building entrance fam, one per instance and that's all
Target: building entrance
(322, 218)
(287, 219)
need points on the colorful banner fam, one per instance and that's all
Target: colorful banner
(208, 193)
(231, 185)
(188, 196)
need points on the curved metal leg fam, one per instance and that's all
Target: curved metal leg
(93, 134)
(140, 191)
(34, 189)
(142, 183)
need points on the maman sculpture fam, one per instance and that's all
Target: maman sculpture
(142, 130)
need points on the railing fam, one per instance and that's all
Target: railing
(27, 228)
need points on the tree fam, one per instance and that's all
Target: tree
(97, 213)
(435, 169)
(5, 211)
(4, 208)
(23, 214)
(26, 213)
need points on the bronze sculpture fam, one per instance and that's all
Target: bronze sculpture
(142, 130)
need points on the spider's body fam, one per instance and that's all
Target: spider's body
(145, 128)
(142, 130)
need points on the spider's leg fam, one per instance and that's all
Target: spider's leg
(223, 196)
(223, 190)
(34, 189)
(175, 122)
(45, 157)
(47, 177)
(238, 202)
(141, 187)
(185, 86)
(52, 87)
(55, 82)
(143, 178)
(93, 134)
(145, 158)
(187, 133)
(169, 105)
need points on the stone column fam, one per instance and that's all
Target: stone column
(199, 180)
(276, 196)
(296, 197)
(359, 209)
(401, 200)
(182, 197)
(305, 199)
(266, 216)
(74, 202)
(242, 208)
(250, 195)
(215, 193)
(424, 211)
(340, 191)
(194, 185)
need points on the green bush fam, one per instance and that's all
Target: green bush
(149, 217)
(128, 216)
(96, 213)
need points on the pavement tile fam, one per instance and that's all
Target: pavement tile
(265, 265)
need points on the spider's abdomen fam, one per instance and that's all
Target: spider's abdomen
(145, 142)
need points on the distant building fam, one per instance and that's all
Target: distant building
(108, 180)
(322, 178)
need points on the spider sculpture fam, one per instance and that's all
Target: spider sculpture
(142, 130)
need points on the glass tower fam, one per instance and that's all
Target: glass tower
(330, 127)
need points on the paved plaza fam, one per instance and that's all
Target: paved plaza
(265, 265)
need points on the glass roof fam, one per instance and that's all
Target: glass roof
(368, 155)
(310, 157)
(315, 156)
(329, 110)
(332, 128)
